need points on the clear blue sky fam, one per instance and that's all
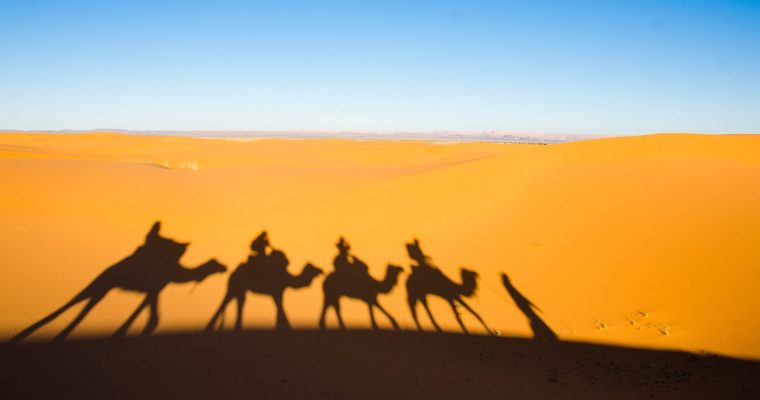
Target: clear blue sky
(613, 67)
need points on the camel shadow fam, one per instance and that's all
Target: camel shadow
(541, 330)
(265, 272)
(351, 279)
(427, 280)
(148, 270)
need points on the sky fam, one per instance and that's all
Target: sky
(602, 67)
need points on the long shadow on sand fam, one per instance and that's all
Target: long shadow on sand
(362, 364)
(265, 272)
(541, 330)
(340, 364)
(427, 280)
(351, 278)
(148, 270)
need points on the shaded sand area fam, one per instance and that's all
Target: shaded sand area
(648, 241)
(366, 365)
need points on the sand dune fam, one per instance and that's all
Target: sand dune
(646, 241)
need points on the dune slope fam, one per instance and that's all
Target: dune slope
(646, 241)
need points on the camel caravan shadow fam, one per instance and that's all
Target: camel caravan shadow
(351, 278)
(265, 272)
(148, 270)
(427, 280)
(156, 263)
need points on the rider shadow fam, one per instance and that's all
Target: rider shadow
(265, 272)
(541, 330)
(427, 280)
(148, 270)
(351, 279)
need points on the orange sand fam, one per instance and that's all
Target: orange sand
(648, 241)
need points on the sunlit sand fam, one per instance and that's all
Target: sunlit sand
(648, 241)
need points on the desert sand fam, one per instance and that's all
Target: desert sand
(644, 242)
(647, 241)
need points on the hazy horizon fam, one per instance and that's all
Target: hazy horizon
(443, 136)
(379, 132)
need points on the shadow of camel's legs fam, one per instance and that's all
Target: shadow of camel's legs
(221, 323)
(153, 318)
(459, 317)
(240, 304)
(413, 308)
(219, 313)
(44, 321)
(430, 314)
(86, 310)
(372, 316)
(122, 331)
(393, 321)
(461, 301)
(336, 306)
(282, 318)
(322, 317)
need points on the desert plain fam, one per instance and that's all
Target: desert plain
(643, 242)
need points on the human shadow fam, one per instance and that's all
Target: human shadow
(351, 278)
(427, 280)
(541, 331)
(148, 270)
(265, 272)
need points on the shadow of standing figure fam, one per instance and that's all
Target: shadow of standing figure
(264, 273)
(351, 278)
(149, 269)
(541, 331)
(426, 279)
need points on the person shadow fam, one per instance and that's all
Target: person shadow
(427, 280)
(148, 270)
(541, 330)
(265, 272)
(351, 279)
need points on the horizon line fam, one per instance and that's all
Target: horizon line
(495, 136)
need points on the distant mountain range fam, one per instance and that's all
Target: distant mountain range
(444, 136)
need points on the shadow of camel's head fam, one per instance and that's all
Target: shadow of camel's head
(468, 273)
(395, 269)
(215, 267)
(311, 269)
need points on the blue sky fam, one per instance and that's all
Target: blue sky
(614, 67)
